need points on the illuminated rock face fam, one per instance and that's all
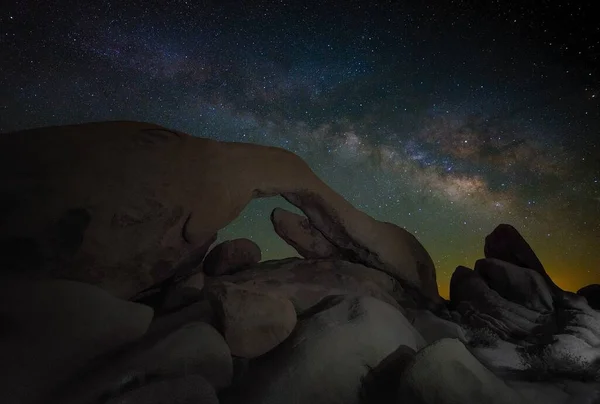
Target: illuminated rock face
(125, 205)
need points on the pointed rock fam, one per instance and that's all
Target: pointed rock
(506, 243)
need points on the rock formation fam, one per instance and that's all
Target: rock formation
(126, 205)
(106, 295)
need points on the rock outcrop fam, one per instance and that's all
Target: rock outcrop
(126, 205)
(93, 215)
(326, 357)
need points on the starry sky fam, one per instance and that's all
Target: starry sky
(443, 117)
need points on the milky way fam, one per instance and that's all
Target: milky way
(446, 120)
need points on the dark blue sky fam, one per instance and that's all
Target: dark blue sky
(446, 118)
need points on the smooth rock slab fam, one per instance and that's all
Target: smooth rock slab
(51, 328)
(252, 322)
(328, 354)
(446, 373)
(196, 348)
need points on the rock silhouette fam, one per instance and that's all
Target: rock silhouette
(94, 217)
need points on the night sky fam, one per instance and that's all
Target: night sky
(444, 117)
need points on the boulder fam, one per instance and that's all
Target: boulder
(328, 354)
(305, 282)
(199, 311)
(482, 307)
(433, 328)
(183, 293)
(231, 256)
(380, 384)
(446, 373)
(194, 349)
(297, 231)
(126, 205)
(506, 244)
(53, 327)
(592, 295)
(191, 389)
(516, 284)
(252, 322)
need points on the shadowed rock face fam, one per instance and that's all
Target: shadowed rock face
(506, 243)
(592, 295)
(125, 205)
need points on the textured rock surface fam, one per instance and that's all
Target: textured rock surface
(252, 323)
(124, 205)
(192, 389)
(305, 282)
(446, 373)
(297, 231)
(592, 295)
(51, 328)
(483, 307)
(326, 356)
(231, 256)
(195, 348)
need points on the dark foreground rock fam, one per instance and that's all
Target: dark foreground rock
(592, 295)
(51, 328)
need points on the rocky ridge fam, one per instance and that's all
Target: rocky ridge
(113, 290)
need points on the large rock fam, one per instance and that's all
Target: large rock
(252, 323)
(305, 282)
(52, 328)
(125, 205)
(506, 243)
(482, 307)
(191, 389)
(297, 231)
(380, 384)
(446, 373)
(433, 328)
(231, 256)
(592, 295)
(195, 348)
(328, 354)
(519, 285)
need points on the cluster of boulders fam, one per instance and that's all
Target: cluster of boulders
(113, 290)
